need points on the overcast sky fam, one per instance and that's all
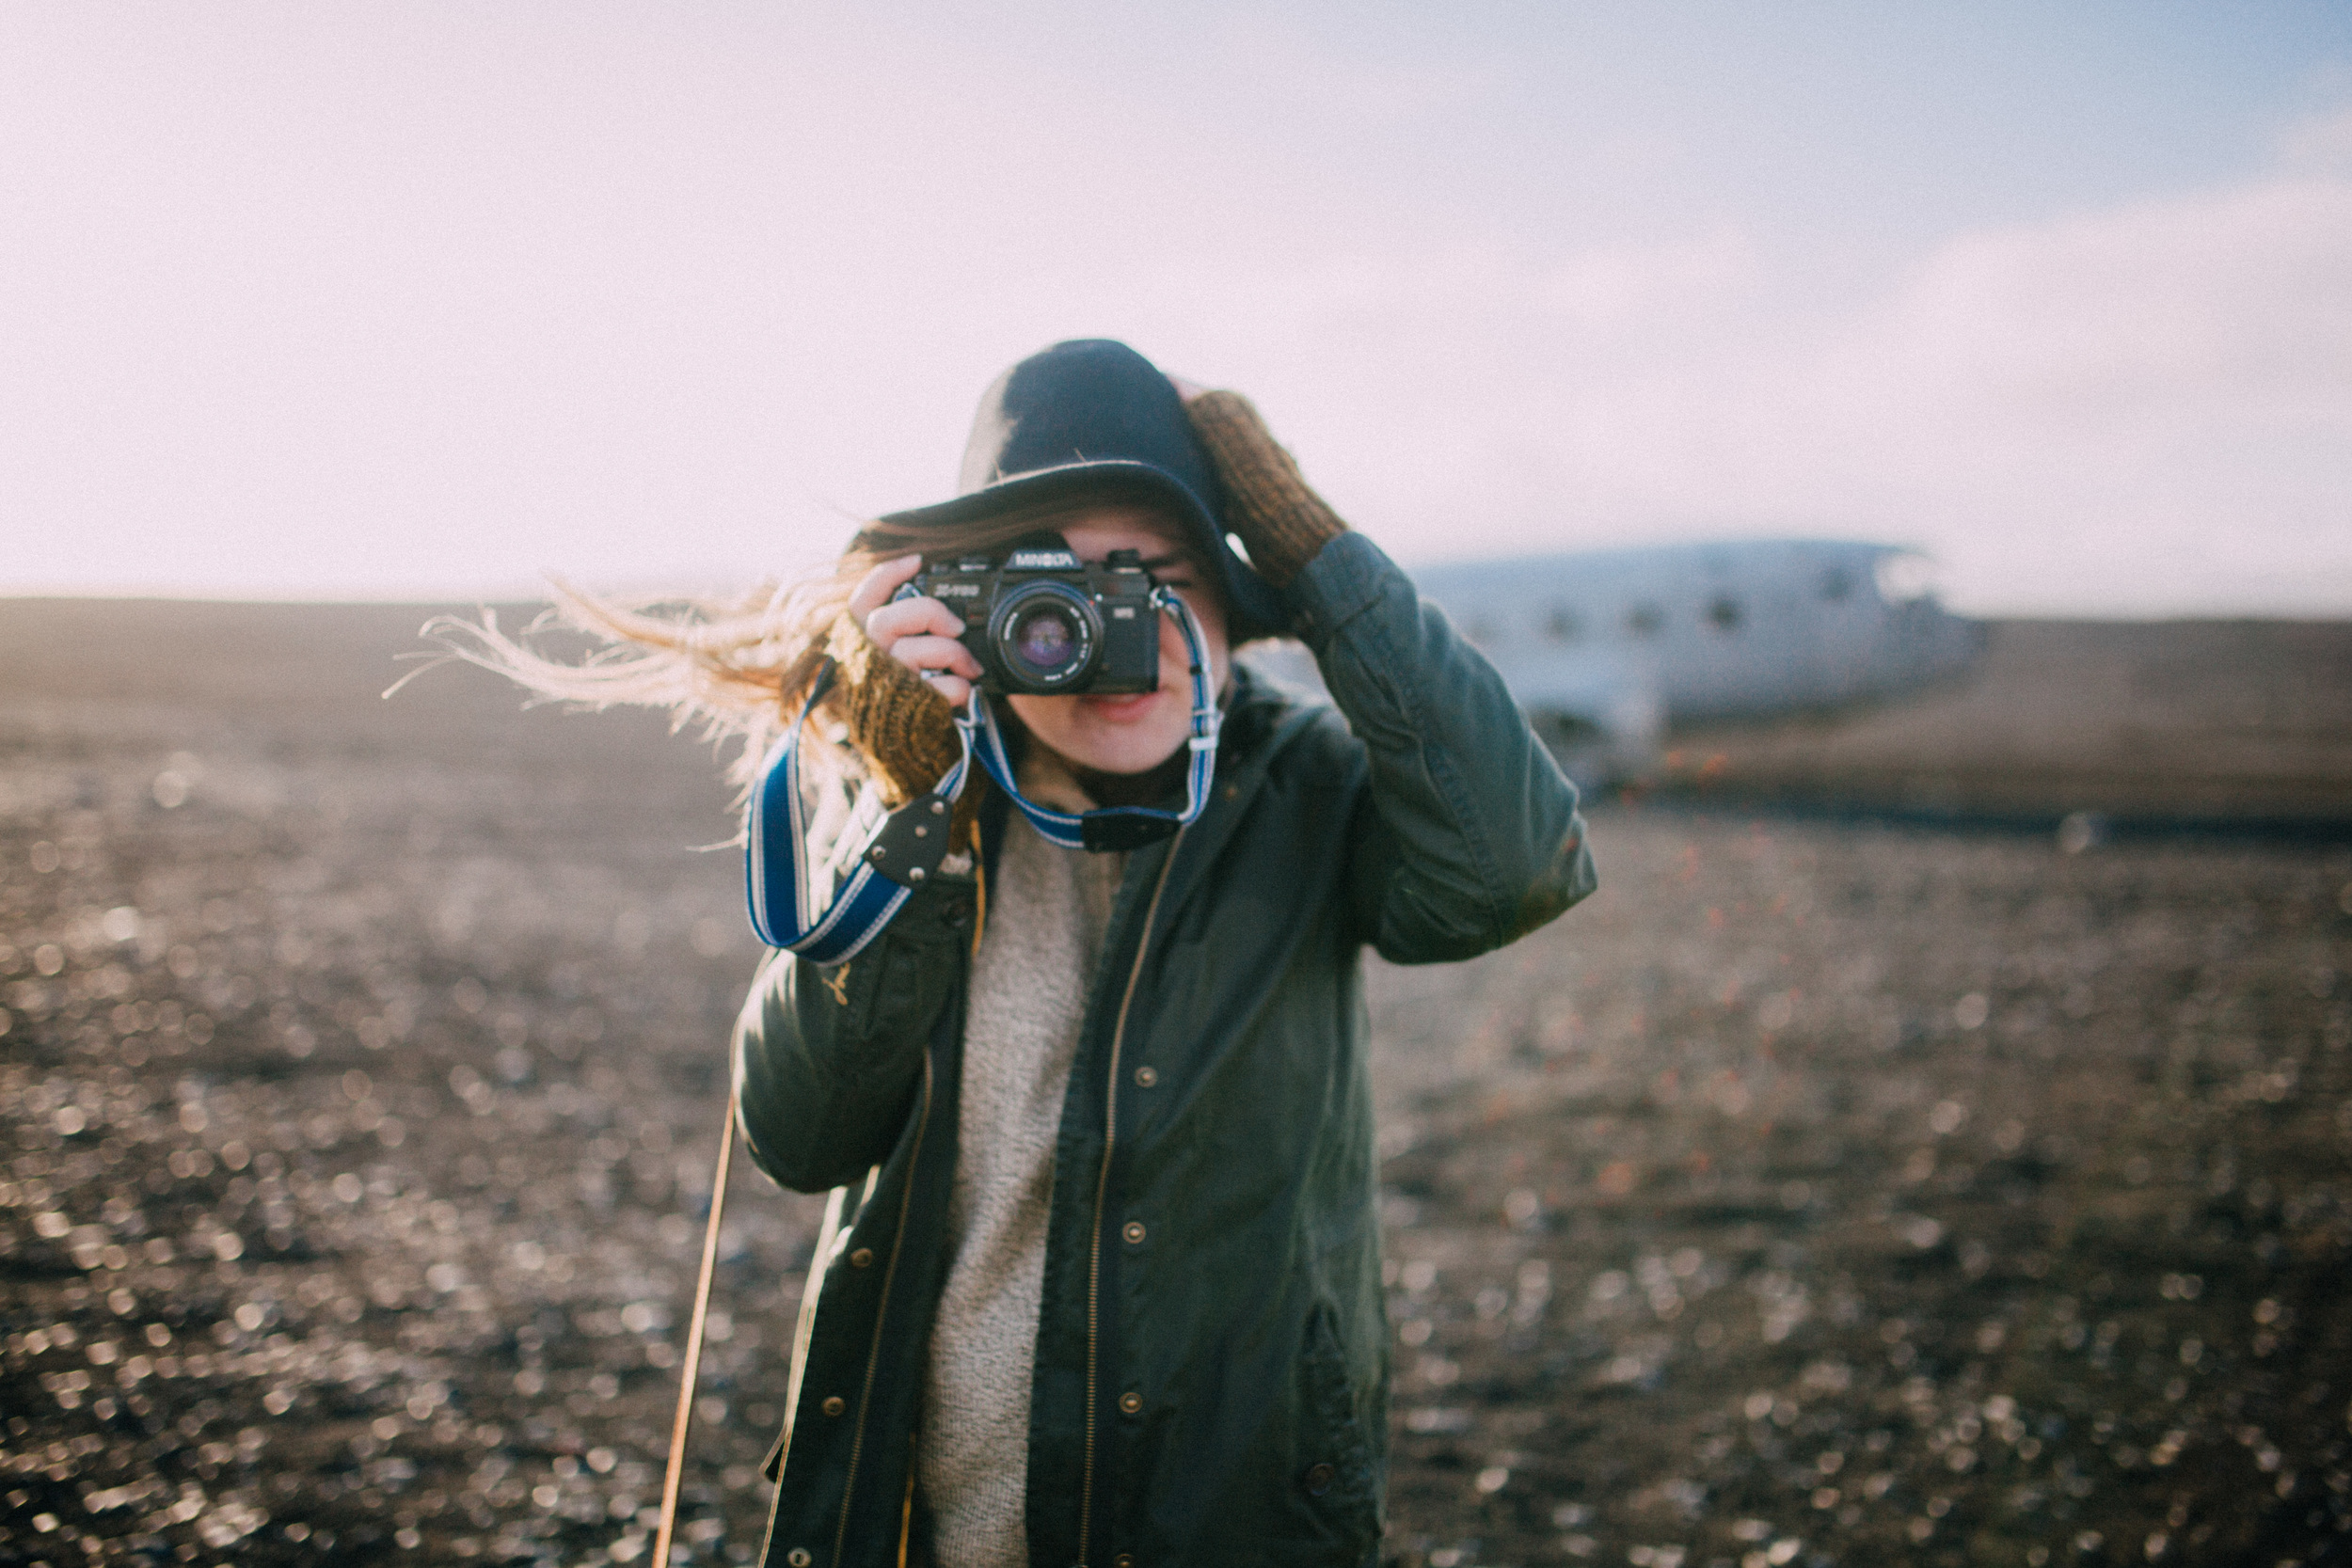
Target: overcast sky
(408, 299)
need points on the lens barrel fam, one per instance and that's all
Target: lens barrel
(1046, 636)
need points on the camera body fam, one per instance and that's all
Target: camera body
(1043, 623)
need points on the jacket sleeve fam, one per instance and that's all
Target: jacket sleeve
(1469, 837)
(827, 1059)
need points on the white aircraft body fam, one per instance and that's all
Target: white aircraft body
(1606, 650)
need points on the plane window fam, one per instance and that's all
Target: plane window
(1724, 614)
(1646, 620)
(1905, 576)
(1837, 584)
(1561, 625)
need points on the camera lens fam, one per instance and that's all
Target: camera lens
(1044, 638)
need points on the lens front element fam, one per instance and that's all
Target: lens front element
(1046, 636)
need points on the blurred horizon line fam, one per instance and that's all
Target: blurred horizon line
(674, 595)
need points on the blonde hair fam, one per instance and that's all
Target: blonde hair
(733, 670)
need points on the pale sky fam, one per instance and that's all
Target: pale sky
(430, 300)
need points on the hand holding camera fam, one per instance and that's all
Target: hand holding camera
(920, 633)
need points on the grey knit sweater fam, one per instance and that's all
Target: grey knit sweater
(1047, 911)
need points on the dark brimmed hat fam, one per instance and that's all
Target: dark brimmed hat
(1093, 419)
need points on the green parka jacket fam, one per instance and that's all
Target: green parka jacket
(1211, 1378)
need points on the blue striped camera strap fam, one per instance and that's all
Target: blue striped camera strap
(784, 911)
(907, 847)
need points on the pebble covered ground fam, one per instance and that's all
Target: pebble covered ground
(1819, 1194)
(1848, 1194)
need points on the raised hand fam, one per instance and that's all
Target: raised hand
(919, 633)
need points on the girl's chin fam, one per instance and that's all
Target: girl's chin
(1117, 749)
(1121, 736)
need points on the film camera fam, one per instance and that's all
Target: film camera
(1043, 623)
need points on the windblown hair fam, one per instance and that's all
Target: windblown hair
(734, 670)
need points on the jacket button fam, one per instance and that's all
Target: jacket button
(798, 1557)
(1125, 1560)
(835, 1405)
(1130, 1403)
(1319, 1478)
(1132, 1231)
(860, 1258)
(1146, 1077)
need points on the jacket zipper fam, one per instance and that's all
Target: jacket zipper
(890, 1272)
(1102, 1189)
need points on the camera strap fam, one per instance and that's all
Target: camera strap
(900, 857)
(907, 849)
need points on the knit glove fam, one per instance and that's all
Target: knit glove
(1281, 522)
(904, 730)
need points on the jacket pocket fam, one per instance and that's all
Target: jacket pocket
(1337, 1473)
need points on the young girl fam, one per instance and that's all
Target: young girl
(1103, 1284)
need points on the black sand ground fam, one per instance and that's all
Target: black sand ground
(1819, 1193)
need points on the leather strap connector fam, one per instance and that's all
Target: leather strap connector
(912, 840)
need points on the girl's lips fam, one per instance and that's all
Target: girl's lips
(1120, 709)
